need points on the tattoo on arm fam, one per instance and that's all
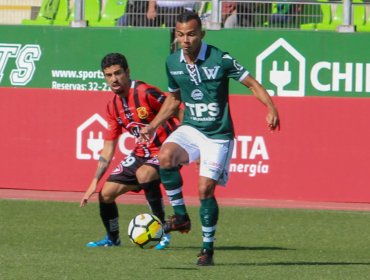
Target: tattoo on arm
(102, 167)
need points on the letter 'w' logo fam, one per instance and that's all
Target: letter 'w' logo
(211, 73)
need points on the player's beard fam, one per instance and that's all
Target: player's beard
(121, 89)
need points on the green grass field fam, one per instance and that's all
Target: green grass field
(45, 240)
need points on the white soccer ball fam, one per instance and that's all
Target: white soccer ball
(145, 230)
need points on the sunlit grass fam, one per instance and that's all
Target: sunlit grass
(46, 240)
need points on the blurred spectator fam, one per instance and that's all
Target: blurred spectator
(229, 18)
(135, 14)
(284, 14)
(164, 13)
(246, 14)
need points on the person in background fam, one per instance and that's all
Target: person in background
(285, 14)
(164, 13)
(229, 16)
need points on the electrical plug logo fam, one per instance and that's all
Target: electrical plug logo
(95, 144)
(280, 78)
(90, 140)
(281, 69)
(88, 147)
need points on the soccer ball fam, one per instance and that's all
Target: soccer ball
(145, 230)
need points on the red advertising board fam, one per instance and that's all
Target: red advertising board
(51, 139)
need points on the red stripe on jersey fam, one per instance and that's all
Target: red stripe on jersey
(134, 112)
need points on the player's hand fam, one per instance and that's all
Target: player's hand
(84, 201)
(88, 194)
(146, 133)
(273, 120)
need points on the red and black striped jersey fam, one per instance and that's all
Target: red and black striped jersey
(134, 112)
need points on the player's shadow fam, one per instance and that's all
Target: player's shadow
(296, 263)
(251, 248)
(238, 248)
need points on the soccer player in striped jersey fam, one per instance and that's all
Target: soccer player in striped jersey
(198, 76)
(133, 106)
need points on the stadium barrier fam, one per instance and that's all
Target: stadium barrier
(344, 16)
(53, 95)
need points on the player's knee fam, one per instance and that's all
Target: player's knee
(166, 158)
(206, 189)
(146, 174)
(105, 197)
(109, 192)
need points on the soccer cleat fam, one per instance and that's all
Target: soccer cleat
(205, 258)
(179, 223)
(164, 242)
(105, 242)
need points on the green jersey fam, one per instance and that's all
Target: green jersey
(204, 89)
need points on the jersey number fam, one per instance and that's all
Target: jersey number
(128, 161)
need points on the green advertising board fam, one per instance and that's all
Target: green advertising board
(300, 63)
(69, 58)
(287, 63)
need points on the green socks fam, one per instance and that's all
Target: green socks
(208, 216)
(172, 182)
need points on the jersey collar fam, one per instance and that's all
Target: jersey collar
(201, 54)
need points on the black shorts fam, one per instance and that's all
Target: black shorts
(125, 172)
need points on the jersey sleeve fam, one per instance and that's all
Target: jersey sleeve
(155, 98)
(172, 84)
(114, 129)
(233, 68)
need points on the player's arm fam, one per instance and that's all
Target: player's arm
(105, 158)
(168, 109)
(153, 98)
(262, 95)
(179, 114)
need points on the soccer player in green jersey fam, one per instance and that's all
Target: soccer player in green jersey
(198, 76)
